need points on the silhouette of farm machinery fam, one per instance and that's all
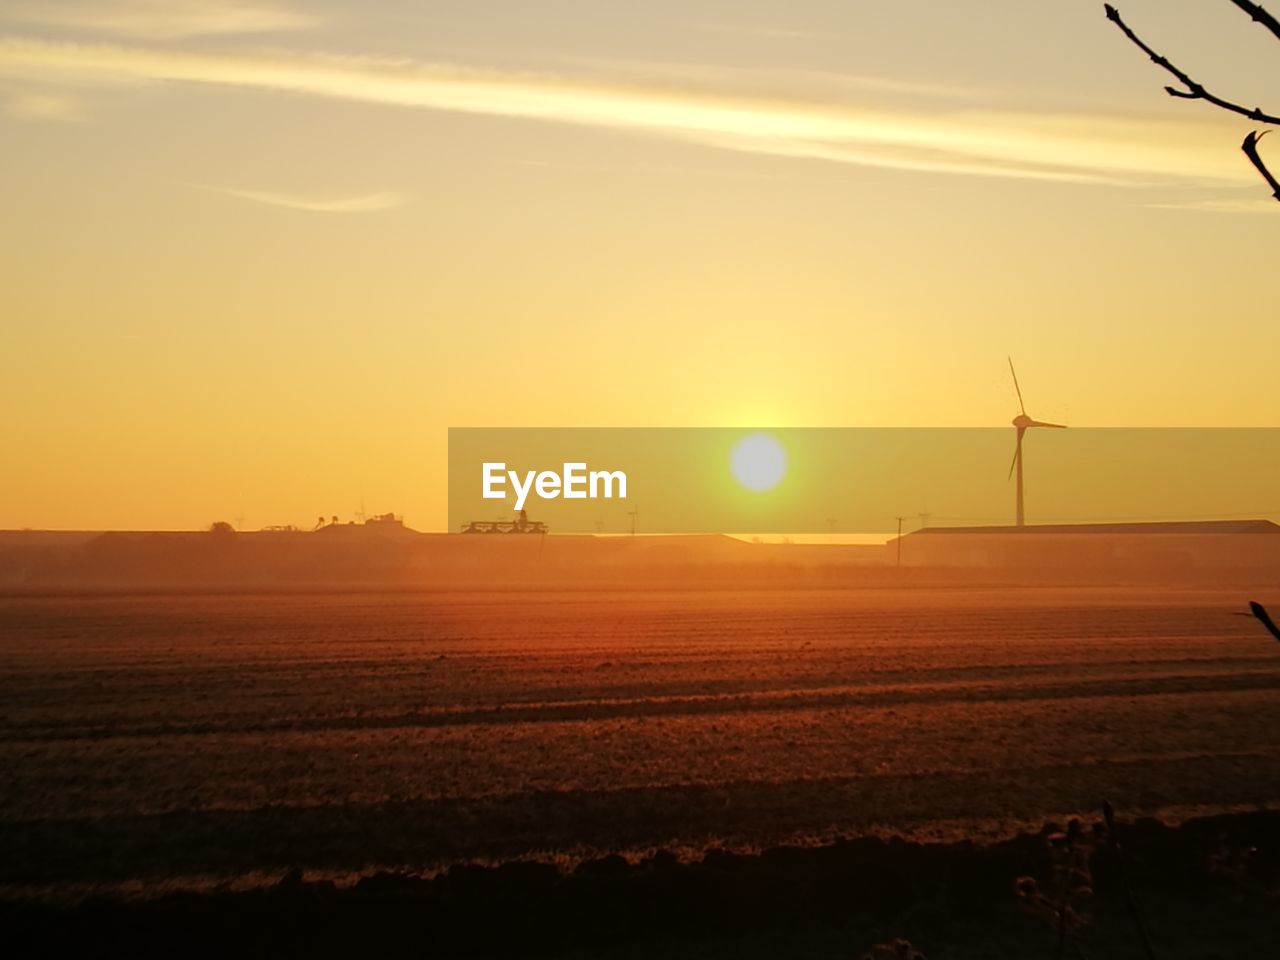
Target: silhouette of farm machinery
(521, 524)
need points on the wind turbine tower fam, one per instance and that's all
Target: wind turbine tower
(1022, 423)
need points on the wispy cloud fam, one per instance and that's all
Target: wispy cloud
(1095, 148)
(1261, 204)
(759, 31)
(859, 81)
(364, 203)
(157, 19)
(648, 169)
(823, 85)
(42, 106)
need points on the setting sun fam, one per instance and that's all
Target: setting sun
(758, 462)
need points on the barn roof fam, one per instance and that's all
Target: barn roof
(1183, 527)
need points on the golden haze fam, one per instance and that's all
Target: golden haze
(257, 265)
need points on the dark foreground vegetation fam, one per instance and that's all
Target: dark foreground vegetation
(1209, 888)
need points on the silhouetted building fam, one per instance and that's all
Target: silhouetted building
(1148, 547)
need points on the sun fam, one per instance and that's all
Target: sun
(758, 462)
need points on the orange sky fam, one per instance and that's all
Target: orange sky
(258, 257)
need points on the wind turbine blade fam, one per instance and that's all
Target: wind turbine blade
(1041, 423)
(1017, 452)
(1016, 387)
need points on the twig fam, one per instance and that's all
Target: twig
(1260, 612)
(1259, 15)
(1130, 901)
(1064, 904)
(1250, 148)
(1193, 91)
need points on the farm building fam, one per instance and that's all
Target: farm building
(1153, 547)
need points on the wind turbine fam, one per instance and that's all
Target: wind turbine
(1023, 423)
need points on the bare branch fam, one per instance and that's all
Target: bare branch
(1250, 148)
(1264, 618)
(1193, 91)
(1259, 15)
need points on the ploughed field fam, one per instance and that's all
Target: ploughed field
(161, 740)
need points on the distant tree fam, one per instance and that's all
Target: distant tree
(1190, 90)
(221, 527)
(335, 519)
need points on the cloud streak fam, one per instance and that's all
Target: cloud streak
(1265, 205)
(42, 106)
(158, 19)
(364, 203)
(1092, 148)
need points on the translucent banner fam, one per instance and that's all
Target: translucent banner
(852, 480)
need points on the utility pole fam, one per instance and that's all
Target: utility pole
(633, 514)
(899, 540)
